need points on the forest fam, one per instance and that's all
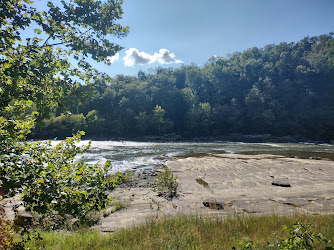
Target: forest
(282, 90)
(49, 89)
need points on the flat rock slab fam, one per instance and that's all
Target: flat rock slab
(243, 184)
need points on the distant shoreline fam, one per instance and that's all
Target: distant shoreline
(228, 138)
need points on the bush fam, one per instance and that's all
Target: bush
(128, 176)
(56, 186)
(6, 232)
(166, 183)
(300, 236)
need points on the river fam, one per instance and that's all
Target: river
(144, 156)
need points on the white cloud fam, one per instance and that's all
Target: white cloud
(134, 57)
(166, 57)
(113, 58)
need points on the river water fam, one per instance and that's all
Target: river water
(144, 156)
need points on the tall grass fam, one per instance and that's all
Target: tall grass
(187, 233)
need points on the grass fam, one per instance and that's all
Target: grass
(118, 205)
(187, 233)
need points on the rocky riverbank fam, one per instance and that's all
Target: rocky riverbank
(229, 184)
(223, 184)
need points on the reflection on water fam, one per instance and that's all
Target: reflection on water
(143, 156)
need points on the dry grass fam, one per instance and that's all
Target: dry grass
(187, 233)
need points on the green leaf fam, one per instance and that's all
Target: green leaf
(38, 31)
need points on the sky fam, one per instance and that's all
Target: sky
(169, 33)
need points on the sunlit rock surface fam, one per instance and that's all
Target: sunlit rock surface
(236, 184)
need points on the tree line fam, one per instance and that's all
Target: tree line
(284, 89)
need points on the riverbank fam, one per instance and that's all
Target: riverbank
(224, 185)
(229, 184)
(235, 137)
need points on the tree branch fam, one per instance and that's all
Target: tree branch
(50, 45)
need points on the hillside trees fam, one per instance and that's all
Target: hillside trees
(283, 89)
(37, 76)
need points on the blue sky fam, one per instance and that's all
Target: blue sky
(169, 33)
(192, 31)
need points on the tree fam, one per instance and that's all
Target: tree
(158, 117)
(38, 68)
(36, 74)
(141, 75)
(94, 123)
(279, 89)
(142, 122)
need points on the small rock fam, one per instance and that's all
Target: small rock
(213, 205)
(23, 218)
(281, 183)
(315, 158)
(74, 222)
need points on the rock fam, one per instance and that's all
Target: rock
(315, 158)
(281, 183)
(74, 222)
(213, 205)
(23, 218)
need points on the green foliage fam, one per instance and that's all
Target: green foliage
(166, 183)
(61, 126)
(300, 236)
(158, 117)
(35, 74)
(128, 176)
(185, 232)
(37, 78)
(246, 244)
(51, 181)
(6, 231)
(283, 89)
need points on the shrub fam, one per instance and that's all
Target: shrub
(6, 232)
(166, 183)
(54, 185)
(300, 236)
(128, 176)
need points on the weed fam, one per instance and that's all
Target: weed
(128, 176)
(166, 183)
(118, 205)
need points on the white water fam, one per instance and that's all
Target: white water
(144, 156)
